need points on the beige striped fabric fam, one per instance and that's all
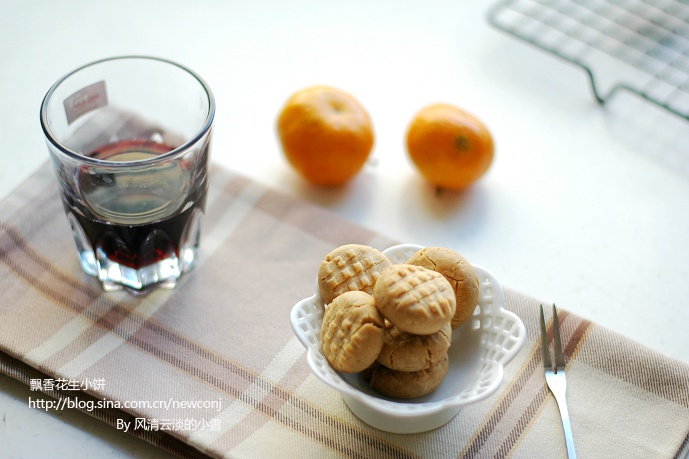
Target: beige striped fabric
(213, 368)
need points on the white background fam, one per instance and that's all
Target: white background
(585, 205)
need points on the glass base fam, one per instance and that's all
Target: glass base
(164, 273)
(114, 276)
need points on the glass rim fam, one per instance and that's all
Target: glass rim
(123, 164)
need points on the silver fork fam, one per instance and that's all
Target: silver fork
(555, 377)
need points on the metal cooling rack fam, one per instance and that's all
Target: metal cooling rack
(640, 46)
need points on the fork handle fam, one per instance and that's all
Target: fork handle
(564, 414)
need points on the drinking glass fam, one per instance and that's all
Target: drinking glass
(129, 139)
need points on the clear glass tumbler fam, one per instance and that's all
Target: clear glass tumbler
(129, 138)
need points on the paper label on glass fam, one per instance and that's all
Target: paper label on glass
(84, 100)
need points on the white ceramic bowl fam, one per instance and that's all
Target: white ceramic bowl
(480, 348)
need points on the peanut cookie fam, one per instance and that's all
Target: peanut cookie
(458, 271)
(415, 299)
(350, 267)
(407, 384)
(407, 352)
(352, 332)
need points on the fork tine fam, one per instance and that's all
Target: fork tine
(559, 357)
(544, 344)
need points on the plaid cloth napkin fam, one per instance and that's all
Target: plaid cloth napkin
(213, 368)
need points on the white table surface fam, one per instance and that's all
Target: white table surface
(585, 205)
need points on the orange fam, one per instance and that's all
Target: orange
(326, 134)
(451, 148)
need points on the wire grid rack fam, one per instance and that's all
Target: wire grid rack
(640, 46)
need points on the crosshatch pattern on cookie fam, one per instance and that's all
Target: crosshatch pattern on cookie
(458, 271)
(415, 299)
(352, 332)
(351, 269)
(413, 286)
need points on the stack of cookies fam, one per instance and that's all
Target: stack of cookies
(394, 322)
